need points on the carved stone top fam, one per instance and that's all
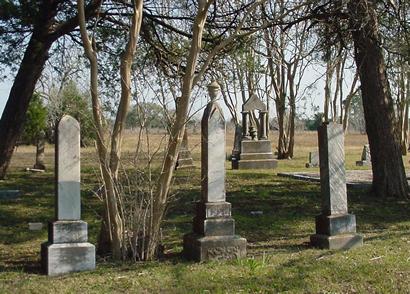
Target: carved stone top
(214, 90)
(254, 103)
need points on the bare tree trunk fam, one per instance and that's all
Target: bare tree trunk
(14, 113)
(178, 128)
(405, 128)
(328, 86)
(45, 32)
(109, 164)
(353, 91)
(389, 178)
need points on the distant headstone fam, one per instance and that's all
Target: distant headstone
(213, 234)
(41, 143)
(35, 226)
(184, 160)
(335, 227)
(255, 147)
(67, 249)
(10, 194)
(313, 159)
(366, 157)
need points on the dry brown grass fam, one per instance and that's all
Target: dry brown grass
(304, 143)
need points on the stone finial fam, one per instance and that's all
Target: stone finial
(214, 90)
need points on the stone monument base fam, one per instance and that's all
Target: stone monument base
(201, 248)
(58, 259)
(336, 232)
(67, 249)
(255, 155)
(344, 241)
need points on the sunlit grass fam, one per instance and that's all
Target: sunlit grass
(279, 256)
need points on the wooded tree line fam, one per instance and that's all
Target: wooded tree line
(173, 48)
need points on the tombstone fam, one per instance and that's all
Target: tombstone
(366, 157)
(184, 160)
(256, 148)
(10, 194)
(213, 235)
(41, 142)
(335, 227)
(313, 159)
(35, 226)
(67, 249)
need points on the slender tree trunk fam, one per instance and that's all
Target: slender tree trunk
(389, 178)
(177, 131)
(328, 86)
(353, 91)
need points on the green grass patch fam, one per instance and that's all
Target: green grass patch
(279, 256)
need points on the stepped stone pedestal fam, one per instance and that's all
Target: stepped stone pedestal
(256, 148)
(213, 235)
(184, 160)
(335, 227)
(67, 249)
(256, 155)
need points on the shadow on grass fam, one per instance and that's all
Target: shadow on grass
(23, 264)
(288, 211)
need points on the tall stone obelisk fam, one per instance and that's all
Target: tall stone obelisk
(213, 234)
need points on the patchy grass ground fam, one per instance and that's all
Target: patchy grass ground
(279, 256)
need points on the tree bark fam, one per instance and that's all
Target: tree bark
(389, 178)
(45, 32)
(14, 113)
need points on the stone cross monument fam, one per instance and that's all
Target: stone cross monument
(213, 234)
(67, 249)
(335, 227)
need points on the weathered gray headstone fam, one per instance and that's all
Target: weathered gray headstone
(335, 227)
(213, 234)
(313, 159)
(40, 146)
(366, 158)
(184, 160)
(35, 226)
(67, 249)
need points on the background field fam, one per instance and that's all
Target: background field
(279, 256)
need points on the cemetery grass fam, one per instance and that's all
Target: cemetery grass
(279, 256)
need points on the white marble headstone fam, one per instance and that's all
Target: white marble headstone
(68, 203)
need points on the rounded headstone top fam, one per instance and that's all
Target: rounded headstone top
(214, 89)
